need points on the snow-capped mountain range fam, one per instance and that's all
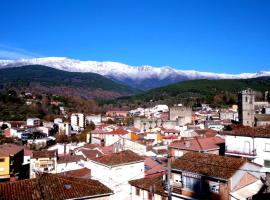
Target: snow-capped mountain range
(142, 77)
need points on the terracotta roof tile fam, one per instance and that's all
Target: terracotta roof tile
(198, 143)
(52, 186)
(90, 146)
(150, 184)
(208, 164)
(123, 157)
(239, 130)
(153, 166)
(107, 149)
(44, 154)
(119, 132)
(69, 158)
(78, 173)
(9, 149)
(91, 153)
(28, 152)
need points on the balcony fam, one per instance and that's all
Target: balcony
(175, 187)
(242, 152)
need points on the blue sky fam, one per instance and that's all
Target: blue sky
(230, 36)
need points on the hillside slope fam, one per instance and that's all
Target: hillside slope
(50, 80)
(204, 91)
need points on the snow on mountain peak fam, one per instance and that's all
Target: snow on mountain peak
(125, 73)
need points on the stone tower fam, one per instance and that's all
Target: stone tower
(246, 109)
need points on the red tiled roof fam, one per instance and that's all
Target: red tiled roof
(198, 144)
(44, 154)
(121, 158)
(169, 130)
(206, 132)
(69, 158)
(208, 164)
(91, 153)
(107, 149)
(152, 167)
(9, 149)
(53, 186)
(78, 173)
(28, 152)
(239, 130)
(149, 184)
(169, 137)
(90, 146)
(119, 132)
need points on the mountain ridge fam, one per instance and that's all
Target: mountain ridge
(144, 77)
(47, 79)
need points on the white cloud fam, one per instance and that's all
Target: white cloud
(13, 53)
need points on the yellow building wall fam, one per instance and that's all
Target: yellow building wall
(4, 167)
(159, 137)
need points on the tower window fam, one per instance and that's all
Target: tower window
(246, 99)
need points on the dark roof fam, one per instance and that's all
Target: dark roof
(52, 186)
(239, 130)
(78, 173)
(123, 157)
(150, 184)
(9, 149)
(69, 158)
(17, 124)
(44, 154)
(208, 164)
(262, 117)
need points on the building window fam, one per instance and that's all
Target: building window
(137, 191)
(267, 163)
(191, 183)
(177, 178)
(267, 147)
(2, 159)
(214, 187)
(150, 196)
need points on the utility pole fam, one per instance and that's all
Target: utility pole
(169, 175)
